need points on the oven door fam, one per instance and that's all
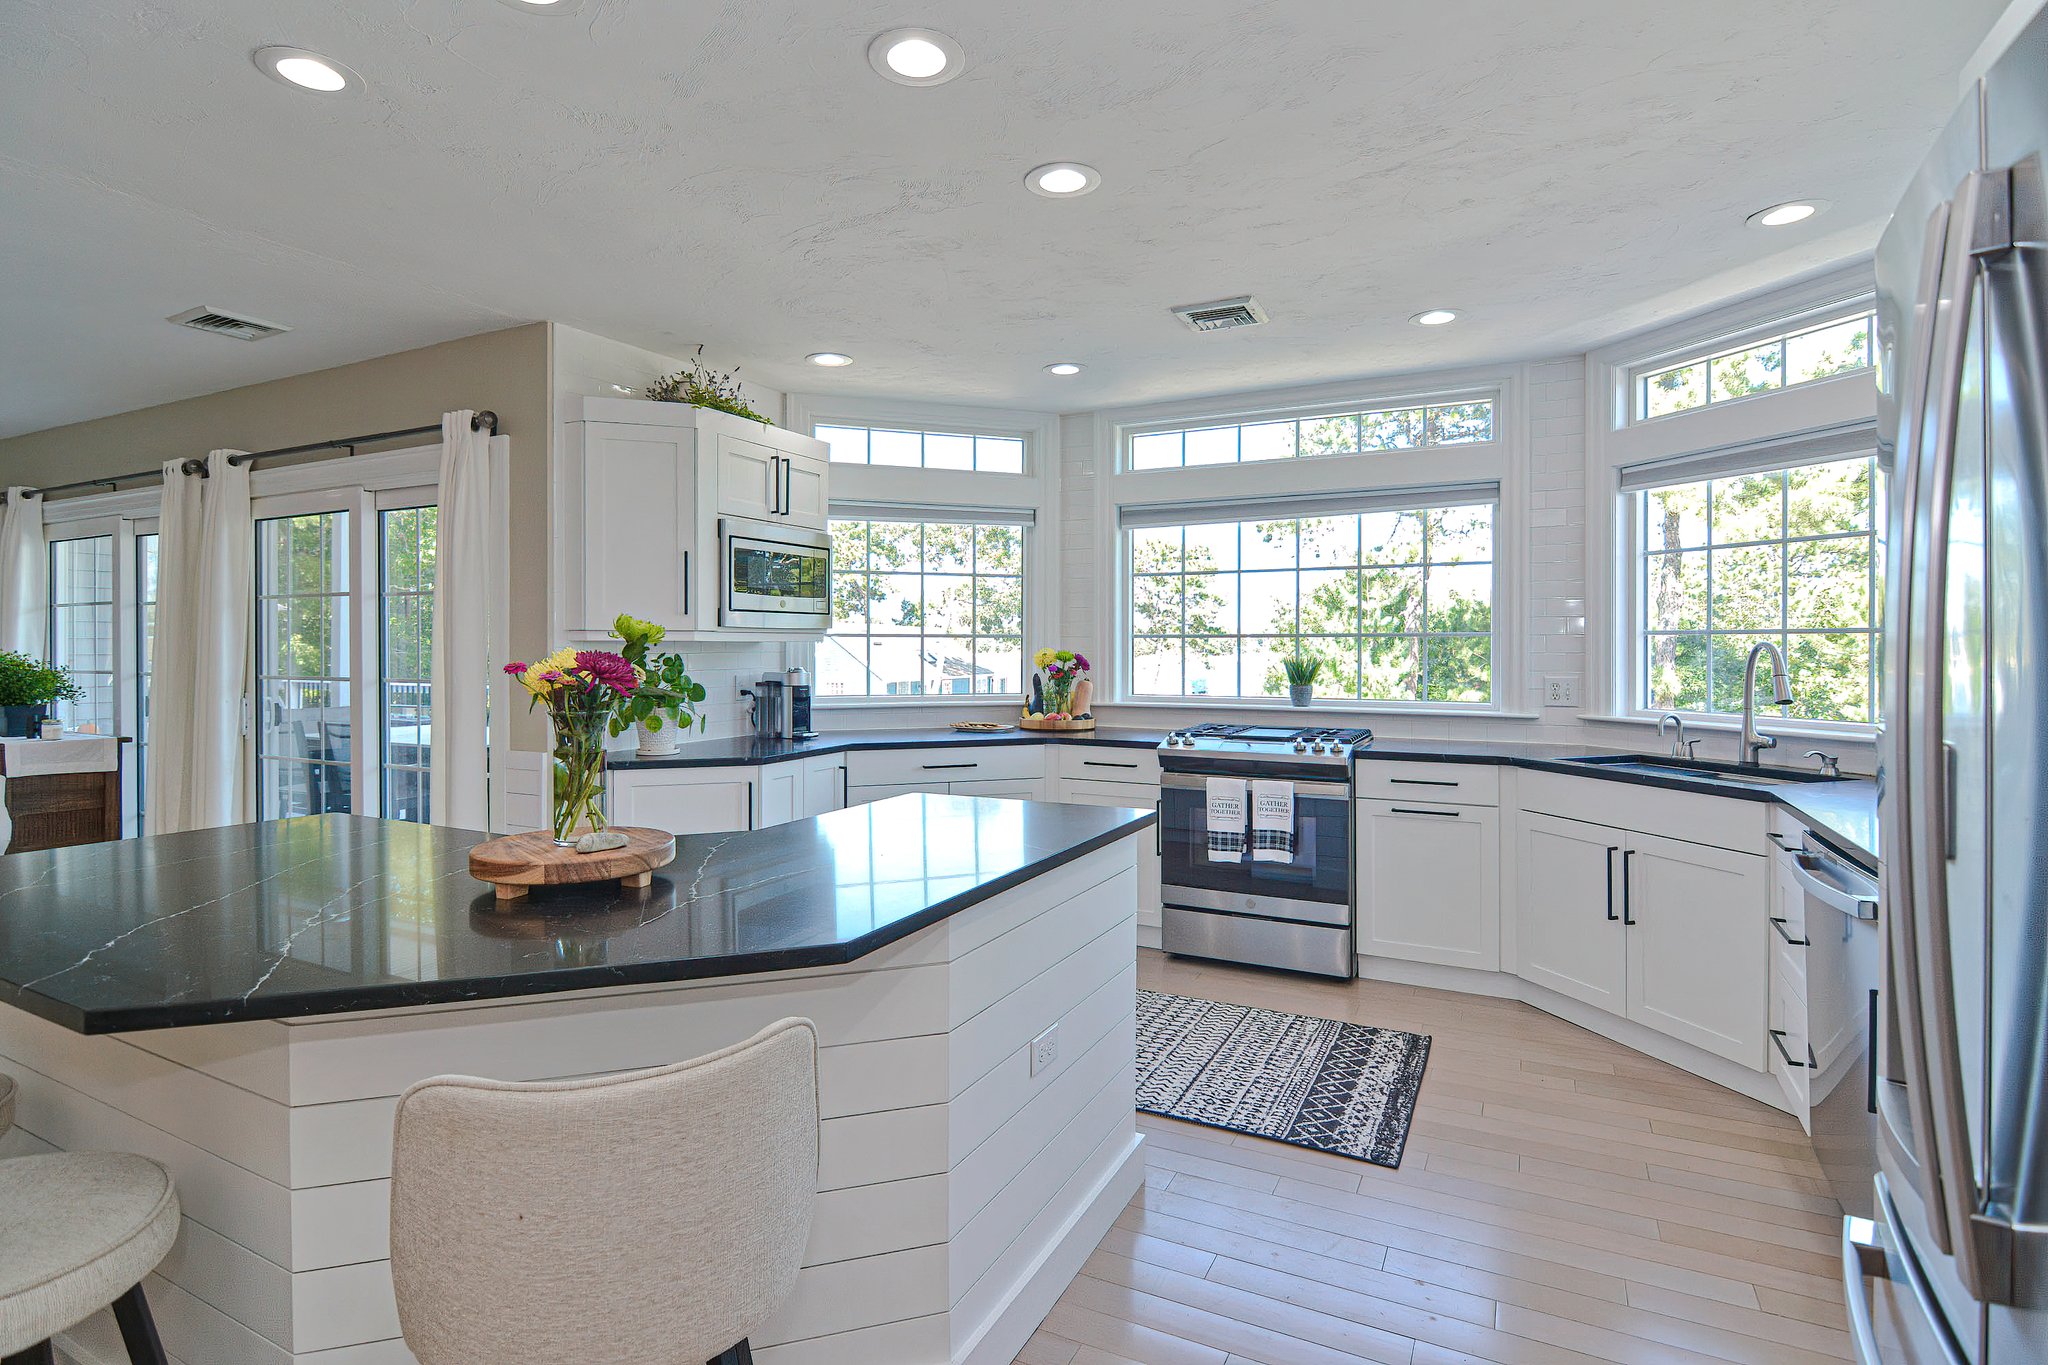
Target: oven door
(1315, 888)
(776, 577)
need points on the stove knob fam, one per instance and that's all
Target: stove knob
(1316, 747)
(1300, 747)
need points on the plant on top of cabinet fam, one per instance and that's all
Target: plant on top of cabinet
(1302, 672)
(668, 696)
(702, 387)
(27, 687)
(1060, 692)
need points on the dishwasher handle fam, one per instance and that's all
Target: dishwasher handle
(1834, 884)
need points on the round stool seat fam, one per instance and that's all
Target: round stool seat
(82, 1229)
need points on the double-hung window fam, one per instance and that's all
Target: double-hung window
(342, 642)
(933, 520)
(1744, 556)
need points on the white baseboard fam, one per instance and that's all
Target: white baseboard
(1036, 1292)
(1148, 935)
(1760, 1086)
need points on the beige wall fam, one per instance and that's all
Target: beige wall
(506, 372)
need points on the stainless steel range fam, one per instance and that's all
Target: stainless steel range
(1295, 911)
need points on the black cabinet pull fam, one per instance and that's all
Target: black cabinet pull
(935, 767)
(1786, 934)
(1627, 898)
(1778, 1036)
(1104, 763)
(1159, 835)
(686, 582)
(1422, 782)
(1414, 810)
(1870, 1050)
(1612, 849)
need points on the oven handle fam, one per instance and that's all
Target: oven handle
(1199, 782)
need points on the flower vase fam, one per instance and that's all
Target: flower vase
(579, 780)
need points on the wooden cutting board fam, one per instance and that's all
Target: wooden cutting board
(517, 863)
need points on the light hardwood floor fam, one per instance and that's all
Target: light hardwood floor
(1562, 1199)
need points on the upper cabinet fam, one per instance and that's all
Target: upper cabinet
(639, 491)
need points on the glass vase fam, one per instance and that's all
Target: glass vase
(579, 778)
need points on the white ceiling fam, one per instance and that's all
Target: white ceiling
(732, 171)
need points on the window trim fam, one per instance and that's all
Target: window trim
(1503, 460)
(1631, 619)
(1864, 303)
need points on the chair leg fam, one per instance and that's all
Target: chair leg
(39, 1354)
(138, 1329)
(740, 1354)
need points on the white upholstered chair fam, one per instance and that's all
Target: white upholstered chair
(657, 1217)
(78, 1231)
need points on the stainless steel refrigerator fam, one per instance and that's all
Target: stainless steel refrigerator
(1955, 1267)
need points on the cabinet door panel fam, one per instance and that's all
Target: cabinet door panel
(780, 788)
(824, 785)
(1698, 953)
(749, 475)
(1429, 883)
(1014, 789)
(860, 795)
(639, 516)
(696, 804)
(1083, 792)
(803, 491)
(1568, 932)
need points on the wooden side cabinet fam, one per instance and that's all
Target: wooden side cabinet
(60, 810)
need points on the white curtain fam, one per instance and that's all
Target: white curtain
(167, 796)
(24, 575)
(216, 776)
(459, 795)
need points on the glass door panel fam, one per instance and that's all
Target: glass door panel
(304, 666)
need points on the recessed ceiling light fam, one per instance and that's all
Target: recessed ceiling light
(831, 360)
(1062, 179)
(1786, 214)
(916, 56)
(1063, 367)
(303, 70)
(1434, 317)
(621, 388)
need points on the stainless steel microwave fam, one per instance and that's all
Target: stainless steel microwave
(776, 577)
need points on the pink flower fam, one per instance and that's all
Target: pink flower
(608, 669)
(515, 670)
(1081, 661)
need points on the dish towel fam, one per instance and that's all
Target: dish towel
(1272, 822)
(1226, 819)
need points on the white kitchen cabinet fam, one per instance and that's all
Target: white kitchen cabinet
(1696, 921)
(772, 479)
(1429, 883)
(684, 800)
(778, 794)
(1568, 930)
(1012, 789)
(1094, 792)
(635, 495)
(878, 791)
(824, 785)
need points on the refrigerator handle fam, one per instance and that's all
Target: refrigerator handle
(1913, 1144)
(1979, 226)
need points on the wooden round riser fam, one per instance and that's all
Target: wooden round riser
(1042, 723)
(518, 863)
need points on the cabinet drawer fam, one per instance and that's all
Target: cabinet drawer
(1104, 764)
(1087, 792)
(1460, 784)
(880, 767)
(1790, 1056)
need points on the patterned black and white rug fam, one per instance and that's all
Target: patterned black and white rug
(1320, 1083)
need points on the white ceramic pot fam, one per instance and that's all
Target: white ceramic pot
(1301, 695)
(660, 743)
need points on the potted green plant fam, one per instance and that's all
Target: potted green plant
(1302, 672)
(27, 687)
(702, 387)
(668, 697)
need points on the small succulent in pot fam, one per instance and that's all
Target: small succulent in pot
(27, 688)
(1302, 671)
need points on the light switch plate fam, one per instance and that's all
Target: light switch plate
(1045, 1049)
(1560, 689)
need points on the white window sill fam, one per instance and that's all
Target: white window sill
(1353, 708)
(1770, 724)
(842, 703)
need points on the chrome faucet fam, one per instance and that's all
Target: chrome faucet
(1754, 741)
(1681, 747)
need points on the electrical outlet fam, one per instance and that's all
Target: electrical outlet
(1560, 689)
(1045, 1049)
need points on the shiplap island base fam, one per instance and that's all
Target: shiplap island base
(245, 1005)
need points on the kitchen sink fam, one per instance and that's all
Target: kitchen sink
(1697, 770)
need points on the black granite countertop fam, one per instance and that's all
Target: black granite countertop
(1843, 812)
(336, 913)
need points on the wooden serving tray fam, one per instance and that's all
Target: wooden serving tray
(517, 863)
(1041, 723)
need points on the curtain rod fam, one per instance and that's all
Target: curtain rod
(482, 421)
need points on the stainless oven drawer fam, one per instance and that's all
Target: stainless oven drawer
(1293, 947)
(1266, 907)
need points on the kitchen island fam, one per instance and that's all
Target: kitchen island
(246, 1004)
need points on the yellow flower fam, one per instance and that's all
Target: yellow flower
(534, 678)
(1042, 658)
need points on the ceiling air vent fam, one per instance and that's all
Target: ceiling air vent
(1221, 315)
(203, 319)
